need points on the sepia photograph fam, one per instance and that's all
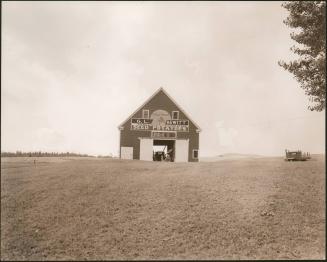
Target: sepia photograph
(163, 130)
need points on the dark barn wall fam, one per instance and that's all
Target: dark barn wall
(159, 101)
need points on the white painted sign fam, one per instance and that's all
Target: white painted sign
(160, 120)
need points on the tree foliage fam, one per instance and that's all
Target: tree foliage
(308, 18)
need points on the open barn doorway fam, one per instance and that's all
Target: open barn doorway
(164, 150)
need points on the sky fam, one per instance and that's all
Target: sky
(73, 71)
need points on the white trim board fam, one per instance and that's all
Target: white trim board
(149, 99)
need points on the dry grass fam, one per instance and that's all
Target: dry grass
(113, 209)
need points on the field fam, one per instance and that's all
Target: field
(84, 208)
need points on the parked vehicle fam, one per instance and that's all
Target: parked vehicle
(296, 155)
(159, 156)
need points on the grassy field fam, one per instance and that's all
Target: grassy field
(75, 209)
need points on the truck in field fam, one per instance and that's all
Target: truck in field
(296, 155)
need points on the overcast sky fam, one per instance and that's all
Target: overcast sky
(73, 71)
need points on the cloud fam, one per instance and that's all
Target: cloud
(227, 135)
(49, 139)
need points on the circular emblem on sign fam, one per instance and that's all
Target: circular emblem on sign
(160, 117)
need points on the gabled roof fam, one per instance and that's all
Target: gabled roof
(150, 98)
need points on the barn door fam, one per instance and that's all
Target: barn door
(181, 150)
(146, 149)
(126, 153)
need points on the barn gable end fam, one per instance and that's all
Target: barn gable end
(159, 93)
(159, 121)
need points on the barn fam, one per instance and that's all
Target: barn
(159, 127)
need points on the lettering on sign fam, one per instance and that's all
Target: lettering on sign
(171, 128)
(141, 124)
(160, 120)
(177, 122)
(141, 121)
(158, 134)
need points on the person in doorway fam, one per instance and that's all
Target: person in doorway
(169, 155)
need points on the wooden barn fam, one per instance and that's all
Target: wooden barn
(159, 130)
